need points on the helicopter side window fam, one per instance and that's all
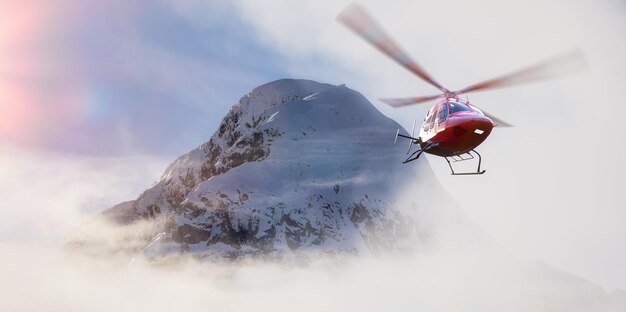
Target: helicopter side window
(443, 113)
(457, 107)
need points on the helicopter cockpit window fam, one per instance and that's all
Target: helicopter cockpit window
(443, 113)
(457, 107)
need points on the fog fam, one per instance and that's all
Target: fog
(35, 280)
(38, 275)
(44, 194)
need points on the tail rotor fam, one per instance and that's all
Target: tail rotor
(411, 138)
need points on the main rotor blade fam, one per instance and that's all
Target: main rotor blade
(358, 20)
(399, 102)
(561, 65)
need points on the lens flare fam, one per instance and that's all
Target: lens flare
(22, 25)
(47, 99)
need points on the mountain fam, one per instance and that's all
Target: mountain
(294, 167)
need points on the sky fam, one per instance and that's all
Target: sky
(96, 98)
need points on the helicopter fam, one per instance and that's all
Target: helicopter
(453, 127)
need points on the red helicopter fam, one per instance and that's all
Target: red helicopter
(452, 128)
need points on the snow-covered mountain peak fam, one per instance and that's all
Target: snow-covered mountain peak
(278, 92)
(298, 166)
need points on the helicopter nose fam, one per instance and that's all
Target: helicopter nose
(482, 126)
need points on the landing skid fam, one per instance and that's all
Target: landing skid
(463, 157)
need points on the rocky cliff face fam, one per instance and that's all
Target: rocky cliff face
(295, 166)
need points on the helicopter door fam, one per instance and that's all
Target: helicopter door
(442, 116)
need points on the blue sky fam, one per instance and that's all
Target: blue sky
(148, 80)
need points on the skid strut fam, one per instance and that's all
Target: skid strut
(419, 152)
(468, 156)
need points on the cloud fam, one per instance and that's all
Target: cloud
(437, 282)
(45, 196)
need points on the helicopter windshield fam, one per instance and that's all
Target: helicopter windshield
(476, 110)
(457, 107)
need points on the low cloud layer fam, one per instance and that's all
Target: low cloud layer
(35, 279)
(38, 275)
(45, 195)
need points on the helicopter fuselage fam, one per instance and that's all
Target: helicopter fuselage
(453, 127)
